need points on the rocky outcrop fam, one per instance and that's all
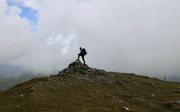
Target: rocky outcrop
(77, 68)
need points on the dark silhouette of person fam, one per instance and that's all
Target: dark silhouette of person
(82, 54)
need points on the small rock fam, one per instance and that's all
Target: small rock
(178, 102)
(126, 108)
(40, 82)
(127, 96)
(33, 88)
(22, 95)
(154, 85)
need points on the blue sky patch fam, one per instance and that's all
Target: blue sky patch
(30, 14)
(27, 12)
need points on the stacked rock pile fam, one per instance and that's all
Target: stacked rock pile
(77, 68)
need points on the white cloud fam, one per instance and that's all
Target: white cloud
(120, 35)
(60, 41)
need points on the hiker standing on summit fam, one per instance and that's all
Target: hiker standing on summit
(82, 54)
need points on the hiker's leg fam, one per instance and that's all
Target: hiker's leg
(78, 56)
(83, 59)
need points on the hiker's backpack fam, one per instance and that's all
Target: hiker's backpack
(84, 51)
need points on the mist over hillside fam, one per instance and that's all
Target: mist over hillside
(13, 71)
(7, 83)
(8, 71)
(13, 75)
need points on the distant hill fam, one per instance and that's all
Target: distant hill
(80, 88)
(6, 83)
(12, 71)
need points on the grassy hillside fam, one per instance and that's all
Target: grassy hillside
(80, 88)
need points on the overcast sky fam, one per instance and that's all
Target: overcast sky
(139, 36)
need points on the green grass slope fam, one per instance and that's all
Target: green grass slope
(88, 91)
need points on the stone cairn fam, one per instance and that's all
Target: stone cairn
(77, 68)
